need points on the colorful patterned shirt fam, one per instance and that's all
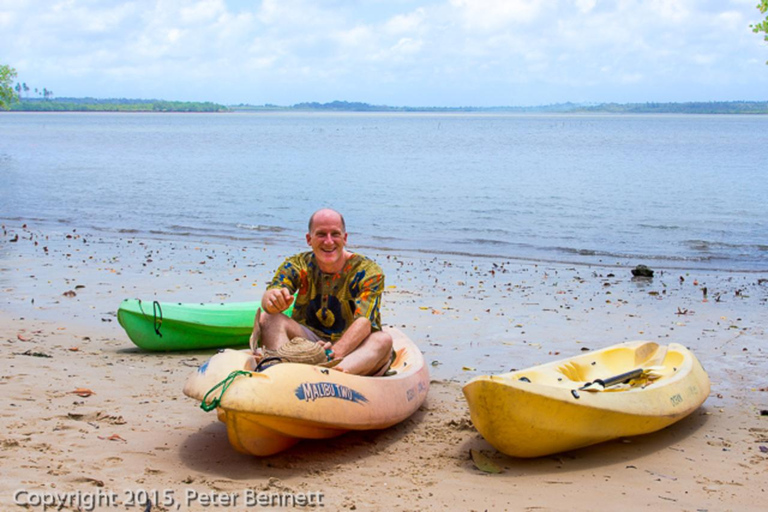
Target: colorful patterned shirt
(328, 303)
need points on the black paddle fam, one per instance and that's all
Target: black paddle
(601, 384)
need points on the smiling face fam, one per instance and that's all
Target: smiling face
(327, 237)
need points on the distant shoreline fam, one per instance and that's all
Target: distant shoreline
(151, 105)
(113, 105)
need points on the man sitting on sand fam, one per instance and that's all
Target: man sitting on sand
(337, 304)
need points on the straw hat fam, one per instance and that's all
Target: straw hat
(300, 350)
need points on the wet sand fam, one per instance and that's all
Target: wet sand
(137, 433)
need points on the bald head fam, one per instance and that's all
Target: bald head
(327, 213)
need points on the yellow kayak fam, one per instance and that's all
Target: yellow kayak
(623, 390)
(269, 411)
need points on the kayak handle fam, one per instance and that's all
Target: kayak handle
(274, 360)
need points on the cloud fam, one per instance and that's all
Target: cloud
(585, 6)
(406, 23)
(401, 51)
(407, 45)
(490, 15)
(202, 12)
(355, 37)
(671, 10)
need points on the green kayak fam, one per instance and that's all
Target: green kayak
(153, 325)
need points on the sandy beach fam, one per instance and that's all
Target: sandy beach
(89, 416)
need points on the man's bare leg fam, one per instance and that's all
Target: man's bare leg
(374, 352)
(276, 329)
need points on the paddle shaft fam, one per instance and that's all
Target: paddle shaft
(616, 379)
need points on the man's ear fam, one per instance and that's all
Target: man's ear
(309, 240)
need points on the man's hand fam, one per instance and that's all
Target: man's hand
(327, 345)
(276, 300)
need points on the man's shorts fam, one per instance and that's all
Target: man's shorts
(310, 334)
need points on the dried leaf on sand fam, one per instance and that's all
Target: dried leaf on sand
(483, 463)
(113, 437)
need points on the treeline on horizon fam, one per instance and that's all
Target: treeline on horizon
(113, 105)
(694, 107)
(144, 105)
(713, 107)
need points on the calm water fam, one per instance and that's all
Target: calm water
(668, 191)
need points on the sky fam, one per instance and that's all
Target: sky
(449, 53)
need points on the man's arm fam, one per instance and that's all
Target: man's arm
(273, 301)
(279, 294)
(352, 337)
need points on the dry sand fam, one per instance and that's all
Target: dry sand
(136, 433)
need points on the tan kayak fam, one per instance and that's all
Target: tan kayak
(269, 411)
(623, 390)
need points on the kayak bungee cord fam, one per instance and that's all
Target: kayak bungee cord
(156, 323)
(224, 384)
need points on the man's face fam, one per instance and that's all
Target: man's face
(327, 240)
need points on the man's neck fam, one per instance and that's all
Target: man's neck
(338, 267)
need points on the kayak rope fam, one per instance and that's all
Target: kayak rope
(158, 323)
(224, 385)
